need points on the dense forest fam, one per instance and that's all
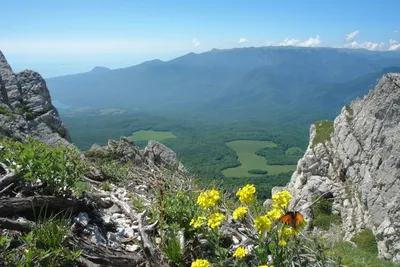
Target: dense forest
(199, 143)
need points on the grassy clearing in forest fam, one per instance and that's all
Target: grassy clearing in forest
(246, 151)
(152, 135)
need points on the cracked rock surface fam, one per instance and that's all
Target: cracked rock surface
(359, 167)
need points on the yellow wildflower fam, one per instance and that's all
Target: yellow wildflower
(239, 213)
(262, 224)
(281, 199)
(265, 265)
(208, 199)
(286, 232)
(200, 263)
(282, 243)
(240, 253)
(198, 222)
(247, 194)
(215, 219)
(275, 214)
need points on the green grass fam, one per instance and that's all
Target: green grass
(246, 152)
(323, 132)
(111, 111)
(152, 135)
(358, 257)
(5, 112)
(366, 240)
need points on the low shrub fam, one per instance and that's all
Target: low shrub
(58, 168)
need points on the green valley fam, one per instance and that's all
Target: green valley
(152, 135)
(246, 151)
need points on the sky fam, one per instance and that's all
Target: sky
(65, 37)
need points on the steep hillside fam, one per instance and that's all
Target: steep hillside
(266, 78)
(355, 161)
(26, 108)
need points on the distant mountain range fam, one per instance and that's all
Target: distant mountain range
(291, 84)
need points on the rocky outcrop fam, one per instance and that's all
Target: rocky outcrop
(125, 151)
(359, 167)
(159, 154)
(25, 107)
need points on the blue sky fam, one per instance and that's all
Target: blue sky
(63, 37)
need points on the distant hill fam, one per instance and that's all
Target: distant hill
(256, 82)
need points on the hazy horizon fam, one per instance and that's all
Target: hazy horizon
(59, 38)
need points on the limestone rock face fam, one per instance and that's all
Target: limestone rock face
(158, 153)
(26, 107)
(359, 167)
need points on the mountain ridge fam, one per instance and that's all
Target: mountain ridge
(195, 81)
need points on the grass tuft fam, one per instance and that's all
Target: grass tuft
(324, 129)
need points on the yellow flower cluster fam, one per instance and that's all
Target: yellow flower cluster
(286, 232)
(265, 265)
(200, 263)
(282, 243)
(198, 222)
(247, 194)
(239, 213)
(215, 219)
(240, 253)
(275, 213)
(262, 224)
(281, 199)
(208, 199)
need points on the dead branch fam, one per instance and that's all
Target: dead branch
(101, 256)
(6, 188)
(9, 206)
(6, 223)
(8, 178)
(150, 251)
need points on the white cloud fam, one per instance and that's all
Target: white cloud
(243, 40)
(195, 42)
(365, 45)
(351, 35)
(291, 42)
(312, 42)
(395, 31)
(394, 45)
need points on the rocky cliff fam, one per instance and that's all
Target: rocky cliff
(26, 108)
(357, 163)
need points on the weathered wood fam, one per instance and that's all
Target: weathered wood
(6, 223)
(100, 255)
(9, 177)
(152, 253)
(9, 206)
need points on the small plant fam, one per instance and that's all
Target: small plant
(114, 170)
(323, 129)
(24, 110)
(106, 186)
(350, 113)
(323, 217)
(81, 187)
(366, 241)
(137, 203)
(44, 246)
(5, 112)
